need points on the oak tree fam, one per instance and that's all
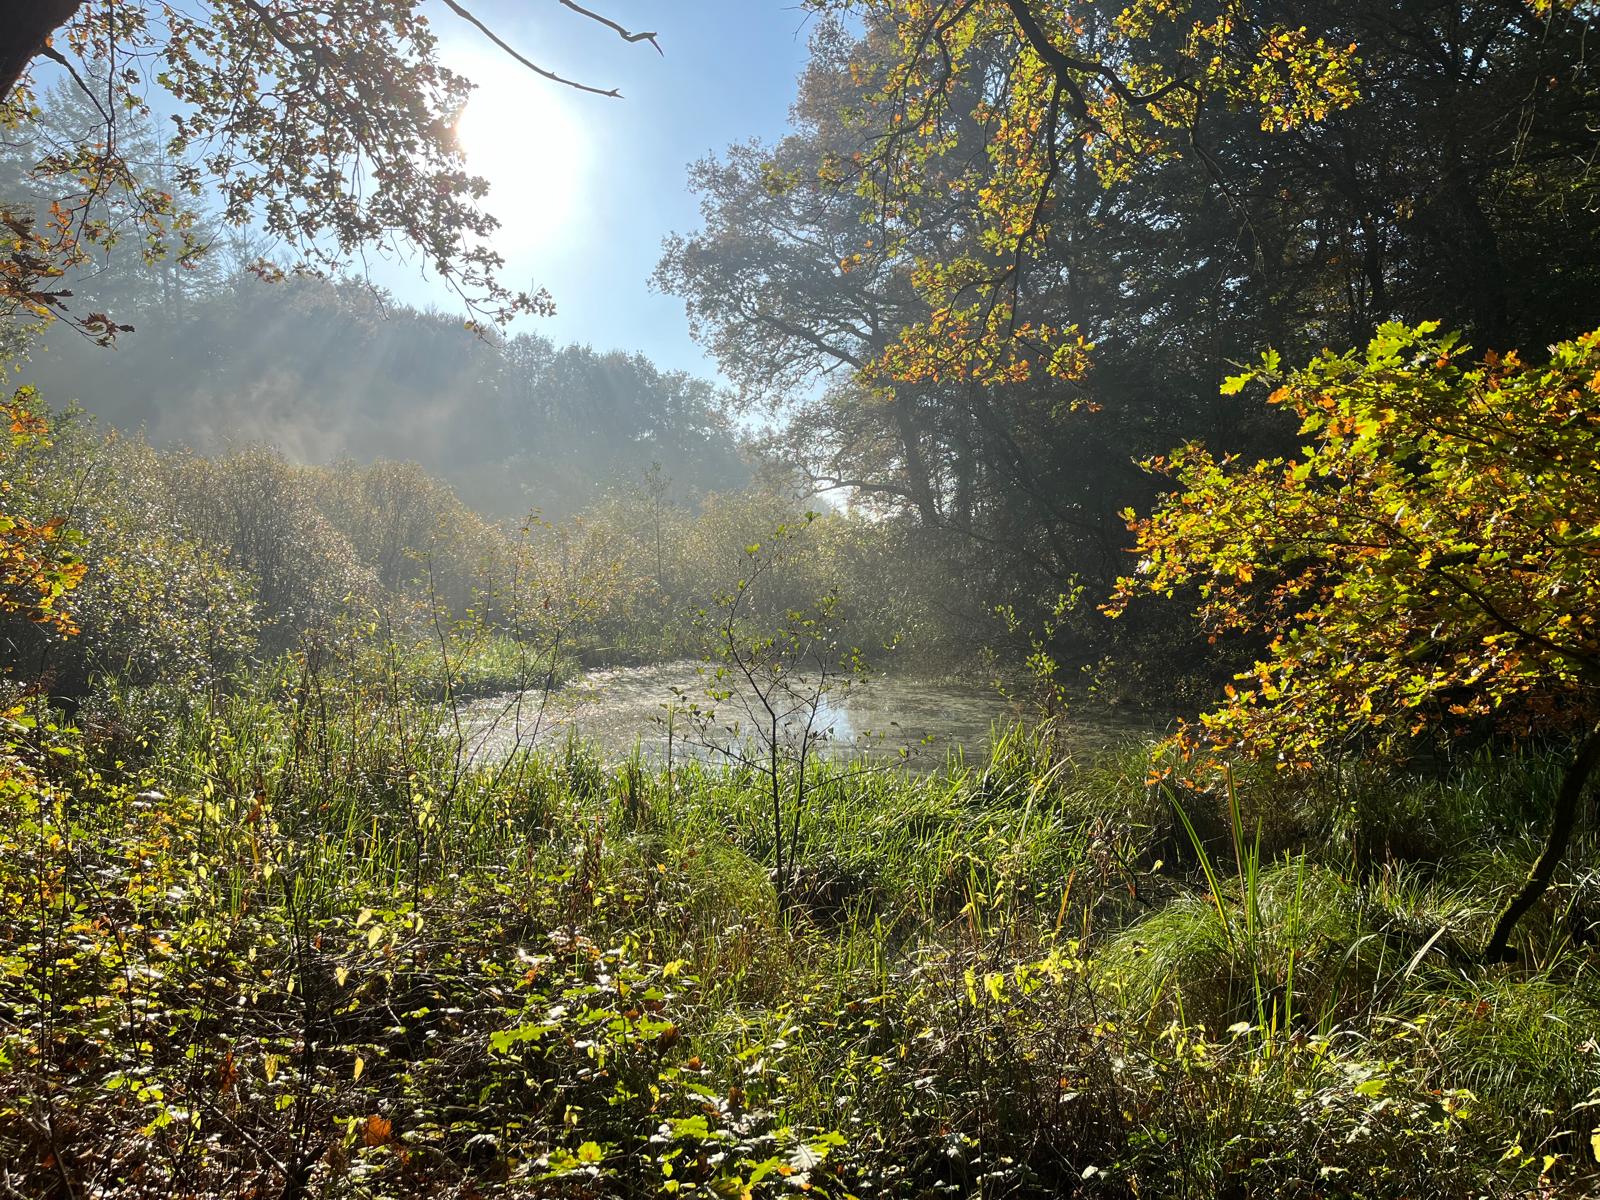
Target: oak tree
(331, 127)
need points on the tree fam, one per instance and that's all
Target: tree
(1479, 93)
(1319, 168)
(1430, 559)
(105, 276)
(331, 126)
(775, 670)
(1065, 91)
(797, 280)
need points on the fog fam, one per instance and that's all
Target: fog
(327, 372)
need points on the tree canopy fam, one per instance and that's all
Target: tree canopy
(329, 127)
(1069, 94)
(900, 272)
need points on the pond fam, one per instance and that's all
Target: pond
(618, 708)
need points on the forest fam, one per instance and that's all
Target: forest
(1090, 688)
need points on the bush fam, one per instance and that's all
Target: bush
(154, 603)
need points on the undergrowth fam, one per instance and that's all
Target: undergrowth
(291, 940)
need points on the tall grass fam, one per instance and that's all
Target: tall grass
(1017, 974)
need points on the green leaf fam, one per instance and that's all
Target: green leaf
(503, 1040)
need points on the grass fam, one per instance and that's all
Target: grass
(286, 939)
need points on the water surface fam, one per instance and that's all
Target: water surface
(616, 709)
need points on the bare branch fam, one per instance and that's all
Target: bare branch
(57, 57)
(622, 33)
(494, 37)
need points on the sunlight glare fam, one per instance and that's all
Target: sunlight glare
(521, 136)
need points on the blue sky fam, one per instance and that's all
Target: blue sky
(587, 187)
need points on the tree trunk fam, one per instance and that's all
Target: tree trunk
(918, 481)
(1562, 823)
(966, 472)
(23, 33)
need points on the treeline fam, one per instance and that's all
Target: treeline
(333, 371)
(192, 570)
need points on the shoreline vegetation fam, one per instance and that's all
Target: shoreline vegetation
(286, 934)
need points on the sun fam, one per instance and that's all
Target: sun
(521, 136)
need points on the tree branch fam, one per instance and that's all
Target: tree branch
(24, 33)
(1064, 65)
(1562, 823)
(61, 60)
(622, 33)
(499, 41)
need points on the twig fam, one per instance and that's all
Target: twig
(622, 33)
(57, 57)
(499, 41)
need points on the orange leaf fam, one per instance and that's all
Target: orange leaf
(377, 1130)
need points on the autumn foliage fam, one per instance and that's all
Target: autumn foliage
(1430, 559)
(1432, 553)
(38, 566)
(1066, 94)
